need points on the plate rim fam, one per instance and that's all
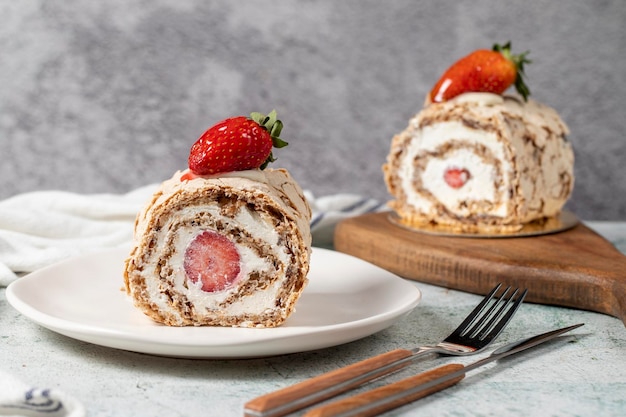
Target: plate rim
(123, 339)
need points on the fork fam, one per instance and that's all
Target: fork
(474, 334)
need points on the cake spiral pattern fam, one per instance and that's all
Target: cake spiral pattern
(258, 220)
(479, 162)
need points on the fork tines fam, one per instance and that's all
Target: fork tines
(491, 316)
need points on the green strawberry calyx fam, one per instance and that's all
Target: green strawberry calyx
(274, 127)
(518, 61)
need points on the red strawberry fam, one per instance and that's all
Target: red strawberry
(213, 260)
(456, 177)
(486, 71)
(237, 144)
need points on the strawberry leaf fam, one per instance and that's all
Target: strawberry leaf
(270, 120)
(278, 142)
(519, 61)
(274, 127)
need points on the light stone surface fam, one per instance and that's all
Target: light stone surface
(109, 96)
(583, 374)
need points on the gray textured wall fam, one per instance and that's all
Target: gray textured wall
(107, 96)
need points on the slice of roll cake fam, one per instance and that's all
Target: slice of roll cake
(223, 249)
(481, 162)
(475, 160)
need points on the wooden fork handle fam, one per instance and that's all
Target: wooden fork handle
(364, 399)
(311, 391)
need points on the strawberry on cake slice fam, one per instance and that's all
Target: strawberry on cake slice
(226, 242)
(475, 160)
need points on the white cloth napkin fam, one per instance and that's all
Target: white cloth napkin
(40, 228)
(19, 399)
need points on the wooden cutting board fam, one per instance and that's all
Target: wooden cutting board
(575, 268)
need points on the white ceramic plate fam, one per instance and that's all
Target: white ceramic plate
(346, 299)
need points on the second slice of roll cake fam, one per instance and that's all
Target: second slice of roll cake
(474, 160)
(229, 248)
(481, 160)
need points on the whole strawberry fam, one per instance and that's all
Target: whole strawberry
(485, 71)
(237, 144)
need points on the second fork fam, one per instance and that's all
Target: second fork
(477, 331)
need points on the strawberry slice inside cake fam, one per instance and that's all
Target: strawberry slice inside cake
(212, 261)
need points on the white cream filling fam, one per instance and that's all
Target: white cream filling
(483, 99)
(256, 175)
(255, 303)
(480, 186)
